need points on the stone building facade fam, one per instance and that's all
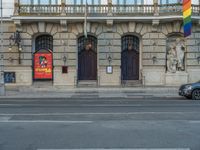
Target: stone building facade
(150, 33)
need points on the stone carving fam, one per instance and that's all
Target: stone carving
(175, 56)
(171, 60)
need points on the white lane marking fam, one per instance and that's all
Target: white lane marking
(4, 118)
(44, 121)
(10, 105)
(126, 149)
(194, 121)
(93, 113)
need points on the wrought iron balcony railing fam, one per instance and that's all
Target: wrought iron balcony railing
(104, 10)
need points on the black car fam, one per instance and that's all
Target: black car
(190, 90)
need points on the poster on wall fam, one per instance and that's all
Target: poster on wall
(43, 66)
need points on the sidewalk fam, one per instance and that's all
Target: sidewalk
(92, 92)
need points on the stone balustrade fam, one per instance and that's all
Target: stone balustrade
(103, 10)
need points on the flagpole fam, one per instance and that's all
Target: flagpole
(85, 20)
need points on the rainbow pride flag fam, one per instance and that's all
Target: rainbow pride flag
(187, 21)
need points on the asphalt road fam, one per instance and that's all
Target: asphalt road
(36, 124)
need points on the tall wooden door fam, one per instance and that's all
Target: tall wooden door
(130, 58)
(130, 65)
(87, 65)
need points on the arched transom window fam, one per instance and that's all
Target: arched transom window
(44, 42)
(82, 42)
(132, 40)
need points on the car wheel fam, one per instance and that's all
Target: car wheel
(196, 94)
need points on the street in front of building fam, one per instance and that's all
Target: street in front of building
(99, 123)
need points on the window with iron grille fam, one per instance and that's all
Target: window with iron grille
(130, 39)
(44, 42)
(82, 41)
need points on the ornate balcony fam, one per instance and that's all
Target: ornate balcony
(104, 10)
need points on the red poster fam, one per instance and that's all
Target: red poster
(43, 66)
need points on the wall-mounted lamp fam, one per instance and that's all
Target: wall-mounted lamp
(15, 40)
(109, 57)
(198, 59)
(154, 59)
(64, 58)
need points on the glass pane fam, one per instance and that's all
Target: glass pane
(173, 1)
(195, 2)
(54, 2)
(114, 2)
(129, 2)
(78, 2)
(104, 2)
(25, 2)
(44, 2)
(148, 2)
(89, 2)
(36, 2)
(8, 8)
(70, 2)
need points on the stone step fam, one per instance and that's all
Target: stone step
(42, 84)
(131, 83)
(87, 83)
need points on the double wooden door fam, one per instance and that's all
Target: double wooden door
(130, 65)
(87, 65)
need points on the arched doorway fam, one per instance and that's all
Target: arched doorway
(130, 57)
(87, 58)
(43, 58)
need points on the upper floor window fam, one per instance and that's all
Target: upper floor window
(40, 2)
(176, 1)
(132, 2)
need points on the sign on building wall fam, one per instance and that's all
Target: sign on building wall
(9, 77)
(43, 66)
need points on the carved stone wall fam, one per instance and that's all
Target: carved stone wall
(153, 50)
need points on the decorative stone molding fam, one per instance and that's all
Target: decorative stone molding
(176, 26)
(155, 3)
(16, 8)
(35, 28)
(155, 24)
(18, 25)
(131, 26)
(79, 27)
(139, 27)
(94, 28)
(63, 24)
(109, 8)
(109, 22)
(63, 13)
(41, 26)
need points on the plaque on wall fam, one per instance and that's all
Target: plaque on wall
(64, 69)
(109, 69)
(9, 77)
